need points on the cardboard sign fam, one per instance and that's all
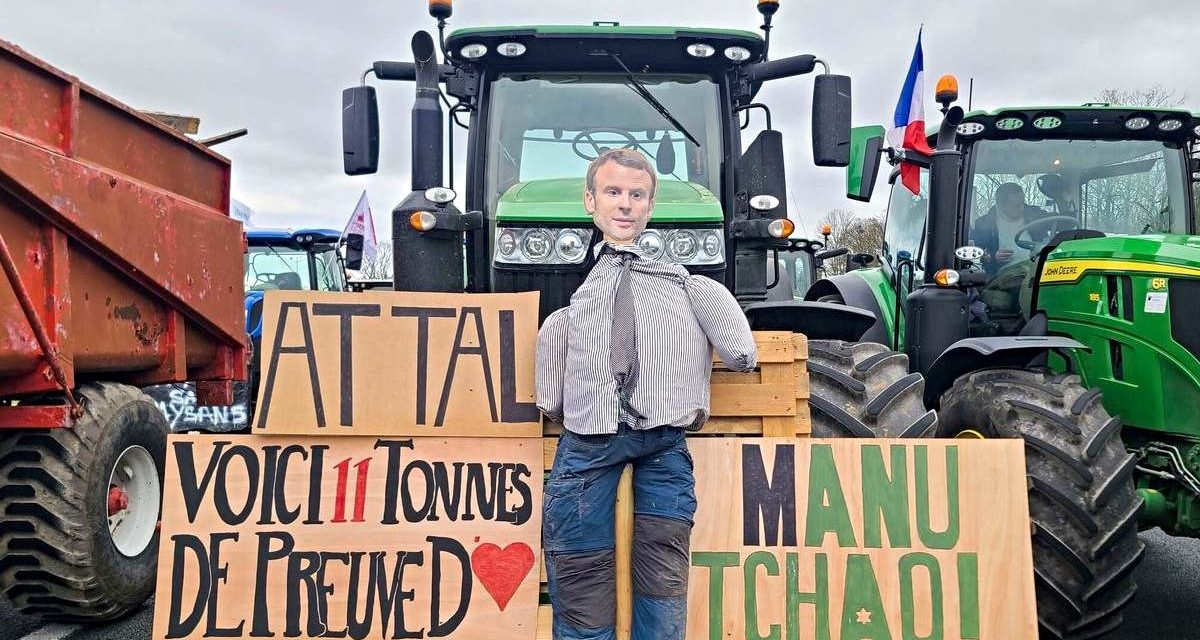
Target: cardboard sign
(875, 539)
(349, 537)
(396, 363)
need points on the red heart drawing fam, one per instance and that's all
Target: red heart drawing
(501, 571)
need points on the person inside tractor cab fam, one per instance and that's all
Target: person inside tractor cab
(996, 231)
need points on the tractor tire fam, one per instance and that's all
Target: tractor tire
(864, 390)
(59, 490)
(1082, 502)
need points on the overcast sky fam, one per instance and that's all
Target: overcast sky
(278, 68)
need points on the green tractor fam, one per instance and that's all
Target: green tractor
(540, 102)
(1046, 280)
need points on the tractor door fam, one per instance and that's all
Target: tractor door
(903, 239)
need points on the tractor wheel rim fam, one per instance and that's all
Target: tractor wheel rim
(132, 501)
(970, 434)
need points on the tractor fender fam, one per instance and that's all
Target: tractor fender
(975, 354)
(856, 292)
(817, 320)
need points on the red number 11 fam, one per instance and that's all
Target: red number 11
(360, 490)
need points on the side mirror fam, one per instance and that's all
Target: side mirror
(760, 172)
(831, 120)
(360, 130)
(866, 148)
(859, 261)
(831, 253)
(664, 157)
(354, 252)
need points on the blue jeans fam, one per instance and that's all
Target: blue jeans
(578, 530)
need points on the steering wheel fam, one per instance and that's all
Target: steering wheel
(1052, 222)
(586, 136)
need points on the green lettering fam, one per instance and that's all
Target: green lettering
(717, 562)
(908, 562)
(968, 596)
(863, 615)
(753, 561)
(827, 510)
(818, 597)
(885, 499)
(947, 538)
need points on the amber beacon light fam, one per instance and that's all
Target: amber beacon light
(441, 9)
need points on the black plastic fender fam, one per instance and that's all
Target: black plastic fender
(817, 320)
(855, 292)
(975, 354)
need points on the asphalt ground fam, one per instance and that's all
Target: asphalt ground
(1167, 606)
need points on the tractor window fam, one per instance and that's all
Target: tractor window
(546, 128)
(330, 276)
(1025, 191)
(270, 268)
(906, 224)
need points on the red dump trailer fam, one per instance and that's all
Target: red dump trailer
(121, 269)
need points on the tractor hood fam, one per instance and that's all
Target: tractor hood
(559, 201)
(1165, 255)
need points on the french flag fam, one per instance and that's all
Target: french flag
(908, 125)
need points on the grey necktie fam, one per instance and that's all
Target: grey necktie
(623, 354)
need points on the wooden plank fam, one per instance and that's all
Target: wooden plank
(545, 620)
(773, 346)
(800, 346)
(624, 555)
(800, 375)
(724, 376)
(753, 400)
(780, 374)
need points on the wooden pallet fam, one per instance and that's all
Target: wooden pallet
(770, 401)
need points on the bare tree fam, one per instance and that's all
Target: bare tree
(1152, 96)
(379, 267)
(858, 233)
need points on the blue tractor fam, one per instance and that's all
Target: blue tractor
(276, 259)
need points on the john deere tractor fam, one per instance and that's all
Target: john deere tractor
(1046, 279)
(540, 102)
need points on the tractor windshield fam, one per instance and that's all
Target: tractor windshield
(547, 126)
(1025, 191)
(281, 267)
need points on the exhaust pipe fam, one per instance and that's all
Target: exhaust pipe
(426, 116)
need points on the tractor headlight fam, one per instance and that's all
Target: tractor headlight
(682, 245)
(537, 245)
(570, 245)
(691, 247)
(651, 243)
(541, 246)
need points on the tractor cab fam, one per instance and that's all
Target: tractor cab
(304, 260)
(539, 103)
(1031, 178)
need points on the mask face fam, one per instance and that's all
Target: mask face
(622, 202)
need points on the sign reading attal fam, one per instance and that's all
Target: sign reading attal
(860, 539)
(398, 363)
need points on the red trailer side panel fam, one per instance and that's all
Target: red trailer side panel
(119, 230)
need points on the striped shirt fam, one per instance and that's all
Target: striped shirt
(679, 316)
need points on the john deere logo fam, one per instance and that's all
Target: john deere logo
(1058, 271)
(1158, 284)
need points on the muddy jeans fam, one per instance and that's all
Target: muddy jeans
(578, 532)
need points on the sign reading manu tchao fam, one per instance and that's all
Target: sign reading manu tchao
(353, 537)
(852, 540)
(398, 363)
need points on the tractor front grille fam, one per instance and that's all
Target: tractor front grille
(1185, 325)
